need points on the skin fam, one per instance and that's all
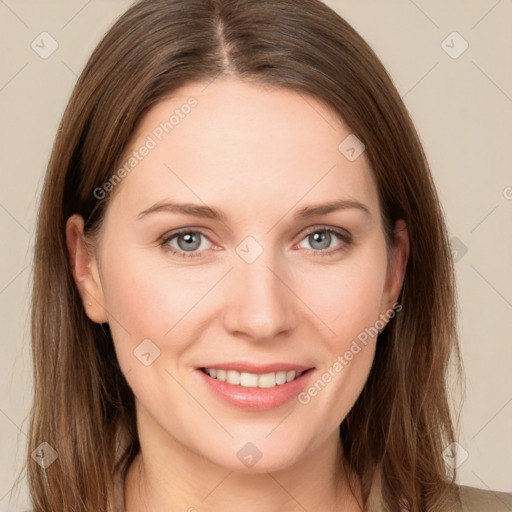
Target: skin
(259, 154)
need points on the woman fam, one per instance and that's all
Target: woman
(243, 287)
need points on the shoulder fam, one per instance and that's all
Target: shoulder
(481, 500)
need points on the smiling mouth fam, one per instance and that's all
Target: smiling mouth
(253, 380)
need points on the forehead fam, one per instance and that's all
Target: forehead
(233, 143)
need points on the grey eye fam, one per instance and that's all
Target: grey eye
(189, 241)
(320, 240)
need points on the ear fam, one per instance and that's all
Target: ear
(397, 265)
(85, 270)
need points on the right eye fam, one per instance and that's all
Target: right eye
(184, 243)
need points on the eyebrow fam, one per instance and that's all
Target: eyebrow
(209, 212)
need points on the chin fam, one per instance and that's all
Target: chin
(245, 456)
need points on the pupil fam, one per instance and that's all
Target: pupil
(322, 237)
(192, 241)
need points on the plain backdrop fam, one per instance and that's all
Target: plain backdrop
(458, 89)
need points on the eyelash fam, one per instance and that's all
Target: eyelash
(345, 238)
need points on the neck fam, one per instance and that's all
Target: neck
(167, 476)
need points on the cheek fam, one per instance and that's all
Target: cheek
(347, 297)
(148, 298)
(347, 301)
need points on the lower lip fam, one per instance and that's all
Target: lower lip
(257, 399)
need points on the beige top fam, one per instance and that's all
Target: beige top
(473, 499)
(481, 500)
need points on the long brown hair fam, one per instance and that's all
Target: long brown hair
(395, 434)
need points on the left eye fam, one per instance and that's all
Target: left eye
(320, 239)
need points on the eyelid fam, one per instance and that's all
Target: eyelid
(343, 234)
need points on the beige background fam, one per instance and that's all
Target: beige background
(462, 108)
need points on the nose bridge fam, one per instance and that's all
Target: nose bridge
(260, 304)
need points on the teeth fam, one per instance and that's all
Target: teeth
(233, 377)
(248, 380)
(267, 380)
(281, 377)
(253, 380)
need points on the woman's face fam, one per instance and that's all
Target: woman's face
(261, 281)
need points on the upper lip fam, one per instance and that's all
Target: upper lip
(258, 368)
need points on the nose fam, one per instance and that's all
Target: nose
(261, 304)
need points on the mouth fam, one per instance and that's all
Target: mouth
(252, 388)
(253, 380)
